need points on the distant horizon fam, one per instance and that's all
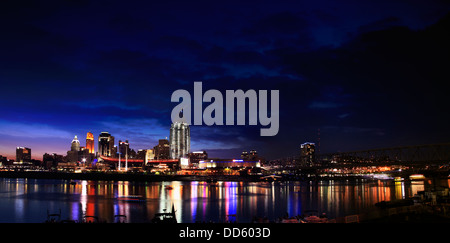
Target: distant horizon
(64, 153)
(214, 154)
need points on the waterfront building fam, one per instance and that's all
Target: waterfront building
(307, 154)
(106, 145)
(195, 157)
(228, 163)
(90, 142)
(180, 139)
(23, 154)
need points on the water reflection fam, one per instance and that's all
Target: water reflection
(27, 200)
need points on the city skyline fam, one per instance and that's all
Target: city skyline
(366, 74)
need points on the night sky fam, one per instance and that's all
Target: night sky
(368, 74)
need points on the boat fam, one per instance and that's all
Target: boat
(132, 198)
(165, 217)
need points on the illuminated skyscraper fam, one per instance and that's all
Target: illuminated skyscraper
(90, 142)
(106, 144)
(75, 144)
(180, 140)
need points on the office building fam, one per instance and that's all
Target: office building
(162, 150)
(75, 144)
(124, 148)
(90, 142)
(307, 154)
(244, 155)
(180, 139)
(72, 154)
(252, 155)
(23, 154)
(196, 156)
(106, 145)
(149, 155)
(228, 163)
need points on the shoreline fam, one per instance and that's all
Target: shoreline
(101, 176)
(140, 177)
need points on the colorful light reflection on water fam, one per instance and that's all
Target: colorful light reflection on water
(27, 200)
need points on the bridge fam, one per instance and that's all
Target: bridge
(417, 154)
(408, 155)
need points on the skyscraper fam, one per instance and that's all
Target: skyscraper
(75, 144)
(162, 150)
(90, 142)
(180, 140)
(124, 148)
(72, 154)
(23, 154)
(105, 144)
(307, 154)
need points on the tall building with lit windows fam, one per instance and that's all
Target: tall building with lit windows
(180, 140)
(307, 154)
(90, 142)
(106, 144)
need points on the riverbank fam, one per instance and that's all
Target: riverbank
(133, 176)
(143, 177)
(104, 176)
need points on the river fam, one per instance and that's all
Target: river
(29, 200)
